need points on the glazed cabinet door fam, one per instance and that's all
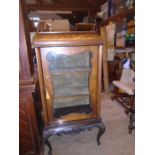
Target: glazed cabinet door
(68, 78)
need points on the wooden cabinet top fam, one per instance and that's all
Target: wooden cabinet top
(45, 39)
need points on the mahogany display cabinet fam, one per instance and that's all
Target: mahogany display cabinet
(30, 126)
(69, 68)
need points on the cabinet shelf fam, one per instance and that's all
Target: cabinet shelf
(70, 70)
(71, 91)
(124, 13)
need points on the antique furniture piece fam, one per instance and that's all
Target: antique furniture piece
(29, 137)
(124, 88)
(69, 67)
(127, 95)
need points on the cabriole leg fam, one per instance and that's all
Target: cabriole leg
(101, 131)
(46, 141)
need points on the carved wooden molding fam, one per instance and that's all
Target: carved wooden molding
(72, 128)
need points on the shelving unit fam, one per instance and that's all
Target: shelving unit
(112, 65)
(116, 18)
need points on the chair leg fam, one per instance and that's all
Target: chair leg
(132, 119)
(114, 97)
(115, 94)
(127, 111)
(131, 123)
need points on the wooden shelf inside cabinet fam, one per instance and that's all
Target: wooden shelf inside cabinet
(71, 70)
(118, 16)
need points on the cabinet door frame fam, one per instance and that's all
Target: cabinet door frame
(45, 79)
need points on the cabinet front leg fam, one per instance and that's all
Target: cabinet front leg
(101, 131)
(46, 141)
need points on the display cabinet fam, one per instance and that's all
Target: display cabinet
(69, 68)
(29, 104)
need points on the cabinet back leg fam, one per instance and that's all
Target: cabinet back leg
(46, 141)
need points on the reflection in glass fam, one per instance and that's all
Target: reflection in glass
(70, 77)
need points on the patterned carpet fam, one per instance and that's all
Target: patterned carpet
(115, 141)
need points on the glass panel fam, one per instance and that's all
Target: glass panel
(60, 62)
(70, 76)
(69, 84)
